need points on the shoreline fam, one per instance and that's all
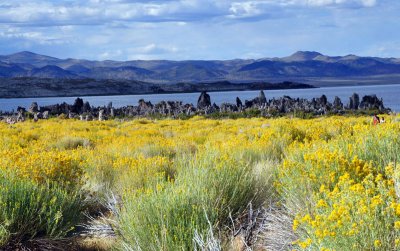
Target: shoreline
(196, 91)
(170, 92)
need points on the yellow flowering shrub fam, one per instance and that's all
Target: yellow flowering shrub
(342, 192)
(338, 177)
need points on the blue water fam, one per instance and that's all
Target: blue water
(389, 93)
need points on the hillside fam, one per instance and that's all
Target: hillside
(23, 87)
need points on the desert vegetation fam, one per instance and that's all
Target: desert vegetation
(327, 183)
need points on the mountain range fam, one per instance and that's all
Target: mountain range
(303, 66)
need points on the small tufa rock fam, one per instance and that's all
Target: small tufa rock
(101, 115)
(204, 101)
(86, 107)
(71, 115)
(226, 107)
(11, 120)
(109, 106)
(337, 103)
(323, 100)
(20, 116)
(354, 101)
(261, 98)
(34, 108)
(239, 103)
(45, 115)
(259, 101)
(77, 106)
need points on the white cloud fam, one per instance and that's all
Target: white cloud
(48, 13)
(275, 8)
(148, 48)
(357, 3)
(245, 9)
(110, 54)
(383, 49)
(193, 29)
(33, 36)
(156, 49)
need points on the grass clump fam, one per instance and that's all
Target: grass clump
(30, 210)
(203, 194)
(70, 143)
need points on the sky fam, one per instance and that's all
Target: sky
(199, 29)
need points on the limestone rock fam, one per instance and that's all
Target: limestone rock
(337, 103)
(204, 100)
(354, 101)
(370, 102)
(239, 103)
(101, 115)
(45, 115)
(34, 108)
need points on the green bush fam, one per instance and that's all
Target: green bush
(207, 191)
(29, 211)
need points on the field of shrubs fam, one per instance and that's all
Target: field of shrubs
(328, 183)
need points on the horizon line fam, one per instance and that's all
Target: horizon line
(182, 60)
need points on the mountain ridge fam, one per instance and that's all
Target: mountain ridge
(301, 66)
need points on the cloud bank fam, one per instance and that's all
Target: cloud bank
(48, 13)
(196, 29)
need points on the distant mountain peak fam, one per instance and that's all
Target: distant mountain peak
(28, 55)
(307, 53)
(51, 71)
(25, 54)
(350, 57)
(303, 56)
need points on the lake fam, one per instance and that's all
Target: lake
(389, 93)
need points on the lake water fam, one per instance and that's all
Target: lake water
(389, 93)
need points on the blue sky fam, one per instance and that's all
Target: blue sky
(199, 29)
